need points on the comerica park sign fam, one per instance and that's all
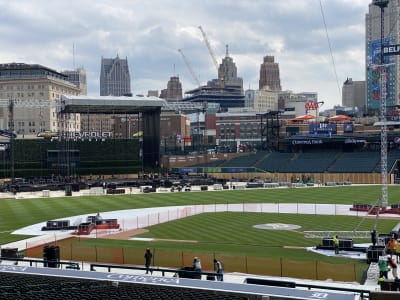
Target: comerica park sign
(391, 50)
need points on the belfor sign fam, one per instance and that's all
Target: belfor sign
(391, 50)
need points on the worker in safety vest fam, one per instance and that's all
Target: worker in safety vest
(336, 243)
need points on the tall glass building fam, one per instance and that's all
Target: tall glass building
(115, 79)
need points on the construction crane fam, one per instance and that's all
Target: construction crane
(189, 67)
(209, 48)
(222, 78)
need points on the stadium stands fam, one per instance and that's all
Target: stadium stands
(245, 160)
(310, 162)
(274, 161)
(22, 286)
(21, 282)
(356, 162)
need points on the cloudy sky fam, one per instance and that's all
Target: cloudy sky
(63, 35)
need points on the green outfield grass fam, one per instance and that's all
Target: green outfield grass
(233, 233)
(17, 213)
(228, 233)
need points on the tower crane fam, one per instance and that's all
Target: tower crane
(189, 67)
(214, 59)
(209, 48)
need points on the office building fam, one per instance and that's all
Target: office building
(269, 74)
(265, 99)
(174, 89)
(226, 90)
(77, 77)
(353, 94)
(115, 79)
(35, 90)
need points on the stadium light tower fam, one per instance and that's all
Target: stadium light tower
(384, 195)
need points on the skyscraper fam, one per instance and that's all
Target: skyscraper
(173, 90)
(269, 74)
(77, 77)
(227, 73)
(373, 59)
(353, 94)
(115, 79)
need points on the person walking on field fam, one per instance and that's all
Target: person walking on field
(218, 266)
(148, 256)
(336, 243)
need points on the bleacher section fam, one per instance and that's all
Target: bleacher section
(392, 156)
(356, 162)
(310, 162)
(244, 161)
(275, 161)
(214, 163)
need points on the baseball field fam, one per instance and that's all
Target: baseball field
(229, 233)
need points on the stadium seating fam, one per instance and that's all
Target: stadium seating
(274, 161)
(244, 161)
(211, 164)
(356, 162)
(23, 286)
(311, 162)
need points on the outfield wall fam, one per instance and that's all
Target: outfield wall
(356, 178)
(71, 250)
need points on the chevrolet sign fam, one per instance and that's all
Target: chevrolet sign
(391, 50)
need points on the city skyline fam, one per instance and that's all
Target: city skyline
(67, 35)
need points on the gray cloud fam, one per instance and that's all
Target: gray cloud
(149, 33)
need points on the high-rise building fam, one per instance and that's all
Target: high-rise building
(35, 90)
(173, 90)
(152, 93)
(77, 77)
(226, 90)
(353, 94)
(115, 79)
(269, 74)
(249, 98)
(227, 73)
(265, 99)
(373, 58)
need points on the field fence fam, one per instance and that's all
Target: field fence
(74, 251)
(279, 267)
(167, 214)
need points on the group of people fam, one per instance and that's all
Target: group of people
(385, 265)
(217, 267)
(148, 256)
(389, 263)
